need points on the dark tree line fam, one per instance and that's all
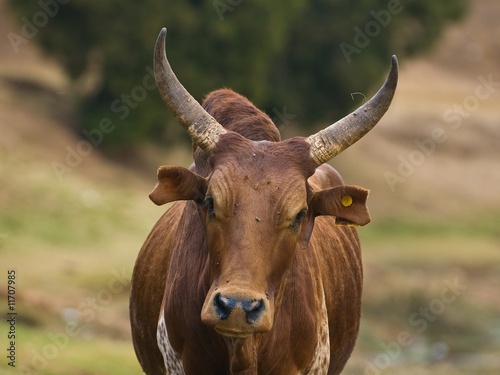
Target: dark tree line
(296, 59)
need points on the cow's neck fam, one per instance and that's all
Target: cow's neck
(243, 356)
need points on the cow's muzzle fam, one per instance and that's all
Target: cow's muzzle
(237, 313)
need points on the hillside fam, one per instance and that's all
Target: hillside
(432, 89)
(456, 173)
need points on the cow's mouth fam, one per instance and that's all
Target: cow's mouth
(233, 333)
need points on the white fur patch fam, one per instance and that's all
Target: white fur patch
(173, 364)
(321, 360)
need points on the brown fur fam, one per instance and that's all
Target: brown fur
(249, 249)
(236, 113)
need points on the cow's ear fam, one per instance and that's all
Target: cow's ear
(177, 183)
(346, 202)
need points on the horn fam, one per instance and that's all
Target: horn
(203, 129)
(331, 141)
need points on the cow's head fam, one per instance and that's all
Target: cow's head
(256, 203)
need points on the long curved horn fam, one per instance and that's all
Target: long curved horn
(203, 129)
(331, 141)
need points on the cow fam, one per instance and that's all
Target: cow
(256, 266)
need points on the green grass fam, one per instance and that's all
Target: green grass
(435, 242)
(52, 351)
(485, 225)
(67, 242)
(408, 265)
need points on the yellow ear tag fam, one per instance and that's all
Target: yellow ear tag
(346, 200)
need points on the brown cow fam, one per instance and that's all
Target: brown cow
(254, 271)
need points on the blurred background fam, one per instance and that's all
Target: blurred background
(83, 131)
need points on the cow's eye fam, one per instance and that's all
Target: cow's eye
(209, 204)
(298, 219)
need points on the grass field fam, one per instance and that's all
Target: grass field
(429, 302)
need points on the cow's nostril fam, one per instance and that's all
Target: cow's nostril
(223, 306)
(253, 309)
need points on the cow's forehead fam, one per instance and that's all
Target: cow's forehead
(260, 159)
(258, 173)
(263, 174)
(261, 164)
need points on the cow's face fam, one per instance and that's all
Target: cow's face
(255, 212)
(257, 209)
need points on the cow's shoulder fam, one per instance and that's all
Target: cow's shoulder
(148, 284)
